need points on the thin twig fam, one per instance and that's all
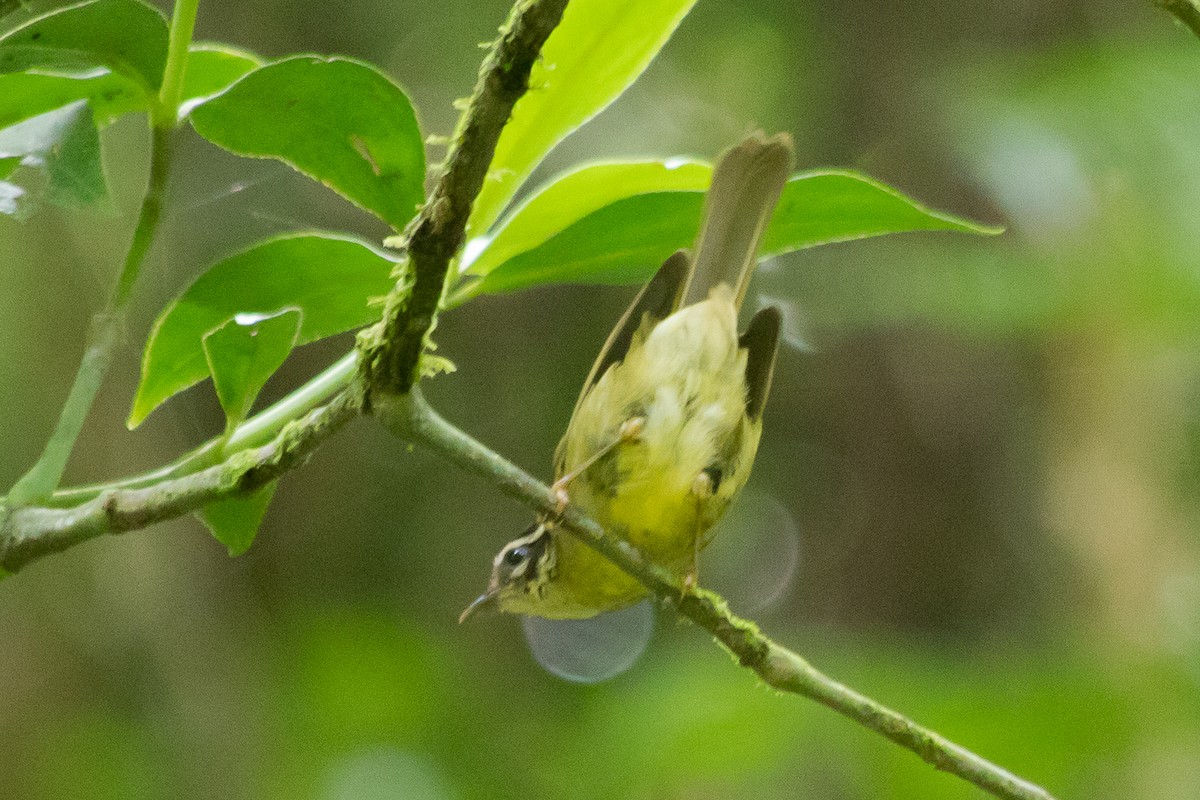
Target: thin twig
(108, 325)
(413, 419)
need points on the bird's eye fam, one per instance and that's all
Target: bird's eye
(516, 556)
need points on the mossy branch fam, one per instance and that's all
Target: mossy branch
(411, 418)
(392, 350)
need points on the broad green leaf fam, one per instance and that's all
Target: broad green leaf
(234, 523)
(65, 145)
(842, 205)
(244, 352)
(330, 278)
(338, 121)
(26, 94)
(127, 37)
(625, 241)
(211, 69)
(7, 165)
(596, 52)
(577, 194)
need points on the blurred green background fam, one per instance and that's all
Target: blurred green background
(988, 449)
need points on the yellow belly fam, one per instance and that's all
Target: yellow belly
(687, 381)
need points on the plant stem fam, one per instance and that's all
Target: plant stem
(108, 325)
(106, 333)
(183, 23)
(411, 418)
(32, 532)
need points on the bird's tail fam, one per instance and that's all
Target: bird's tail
(746, 185)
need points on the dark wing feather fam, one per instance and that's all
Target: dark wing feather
(657, 300)
(761, 341)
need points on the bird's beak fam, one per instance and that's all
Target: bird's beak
(485, 602)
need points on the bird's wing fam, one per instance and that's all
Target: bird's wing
(656, 301)
(761, 341)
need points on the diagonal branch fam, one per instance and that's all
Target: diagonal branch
(411, 418)
(392, 349)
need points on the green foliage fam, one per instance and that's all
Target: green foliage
(327, 277)
(596, 52)
(573, 196)
(27, 94)
(244, 352)
(627, 239)
(65, 145)
(234, 523)
(127, 36)
(212, 68)
(350, 127)
(340, 122)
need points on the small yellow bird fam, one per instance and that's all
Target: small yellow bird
(664, 433)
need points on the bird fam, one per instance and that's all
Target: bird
(664, 432)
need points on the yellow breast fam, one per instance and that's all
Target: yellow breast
(686, 378)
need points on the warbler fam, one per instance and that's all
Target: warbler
(665, 430)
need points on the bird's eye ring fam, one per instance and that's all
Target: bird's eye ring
(516, 556)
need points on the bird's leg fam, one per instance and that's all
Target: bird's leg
(629, 431)
(703, 488)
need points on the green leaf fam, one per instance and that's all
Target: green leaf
(65, 145)
(625, 241)
(338, 121)
(211, 69)
(126, 36)
(573, 196)
(234, 523)
(596, 52)
(841, 205)
(244, 352)
(26, 94)
(330, 278)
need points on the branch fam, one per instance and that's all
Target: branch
(30, 533)
(411, 418)
(1186, 11)
(392, 349)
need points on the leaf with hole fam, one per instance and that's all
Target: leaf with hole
(330, 278)
(596, 52)
(338, 121)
